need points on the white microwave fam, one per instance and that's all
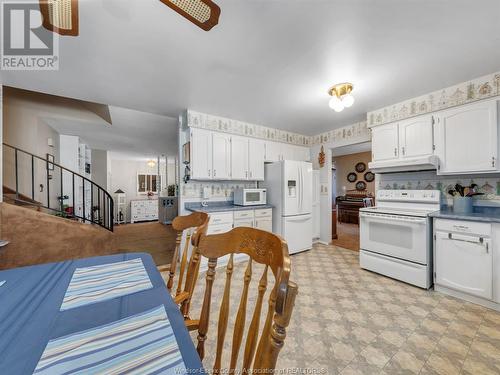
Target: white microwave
(249, 197)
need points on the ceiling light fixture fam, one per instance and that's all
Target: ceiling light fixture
(151, 163)
(341, 96)
(60, 16)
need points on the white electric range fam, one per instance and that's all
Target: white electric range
(396, 235)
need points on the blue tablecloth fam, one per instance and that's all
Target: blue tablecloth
(31, 298)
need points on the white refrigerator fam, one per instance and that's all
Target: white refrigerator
(289, 190)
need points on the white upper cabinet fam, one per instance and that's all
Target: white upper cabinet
(239, 158)
(256, 155)
(273, 151)
(385, 142)
(416, 137)
(276, 151)
(221, 154)
(467, 139)
(201, 154)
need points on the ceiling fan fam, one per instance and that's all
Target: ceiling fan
(61, 16)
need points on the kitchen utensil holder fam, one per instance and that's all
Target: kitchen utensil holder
(462, 205)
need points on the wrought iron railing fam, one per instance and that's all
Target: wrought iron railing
(41, 182)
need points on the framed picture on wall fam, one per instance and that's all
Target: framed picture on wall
(352, 177)
(369, 176)
(50, 162)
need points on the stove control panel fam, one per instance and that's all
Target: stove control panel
(428, 196)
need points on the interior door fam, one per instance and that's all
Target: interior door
(256, 155)
(201, 154)
(385, 142)
(468, 138)
(291, 187)
(416, 137)
(239, 158)
(221, 155)
(464, 263)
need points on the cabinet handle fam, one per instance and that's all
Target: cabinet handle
(215, 172)
(246, 174)
(403, 150)
(250, 174)
(209, 173)
(492, 161)
(395, 151)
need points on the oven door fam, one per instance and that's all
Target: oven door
(403, 237)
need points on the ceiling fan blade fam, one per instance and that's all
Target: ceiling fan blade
(203, 13)
(60, 16)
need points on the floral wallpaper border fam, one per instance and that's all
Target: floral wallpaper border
(211, 122)
(356, 131)
(484, 87)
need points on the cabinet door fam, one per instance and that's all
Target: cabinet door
(288, 152)
(464, 263)
(467, 139)
(244, 223)
(273, 151)
(264, 224)
(256, 155)
(385, 142)
(416, 137)
(221, 156)
(239, 158)
(201, 154)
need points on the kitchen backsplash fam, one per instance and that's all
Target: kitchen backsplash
(218, 190)
(488, 184)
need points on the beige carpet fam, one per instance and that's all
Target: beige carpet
(352, 321)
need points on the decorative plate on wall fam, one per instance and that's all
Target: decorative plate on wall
(360, 167)
(352, 177)
(369, 176)
(360, 185)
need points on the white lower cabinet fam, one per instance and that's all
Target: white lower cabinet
(143, 210)
(222, 222)
(464, 256)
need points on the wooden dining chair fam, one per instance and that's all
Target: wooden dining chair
(195, 225)
(270, 250)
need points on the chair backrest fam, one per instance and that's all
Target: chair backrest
(270, 250)
(195, 225)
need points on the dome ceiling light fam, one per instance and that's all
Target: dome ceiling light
(341, 96)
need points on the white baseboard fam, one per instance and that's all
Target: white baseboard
(467, 297)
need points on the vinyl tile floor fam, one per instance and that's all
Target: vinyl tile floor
(350, 321)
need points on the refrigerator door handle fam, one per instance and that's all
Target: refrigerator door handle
(301, 188)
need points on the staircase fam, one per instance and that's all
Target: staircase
(33, 182)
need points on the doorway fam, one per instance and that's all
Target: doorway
(352, 184)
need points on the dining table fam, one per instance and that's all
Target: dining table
(106, 314)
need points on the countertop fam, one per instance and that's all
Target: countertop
(222, 207)
(486, 214)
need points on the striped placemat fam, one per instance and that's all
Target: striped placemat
(106, 281)
(141, 344)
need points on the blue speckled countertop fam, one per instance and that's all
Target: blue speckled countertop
(221, 207)
(486, 214)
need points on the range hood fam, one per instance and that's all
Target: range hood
(425, 163)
